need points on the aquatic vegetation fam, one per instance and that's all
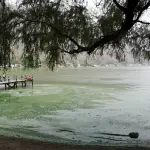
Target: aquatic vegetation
(6, 97)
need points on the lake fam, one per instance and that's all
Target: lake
(74, 105)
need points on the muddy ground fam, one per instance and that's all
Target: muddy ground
(9, 143)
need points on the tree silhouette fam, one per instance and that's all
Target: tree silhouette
(59, 27)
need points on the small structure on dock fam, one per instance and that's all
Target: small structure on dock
(13, 83)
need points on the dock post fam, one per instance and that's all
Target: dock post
(32, 81)
(25, 81)
(16, 82)
(21, 81)
(5, 87)
(8, 82)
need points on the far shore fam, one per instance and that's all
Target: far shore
(10, 143)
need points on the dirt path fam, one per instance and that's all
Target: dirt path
(7, 143)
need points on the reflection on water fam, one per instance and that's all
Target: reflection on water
(75, 105)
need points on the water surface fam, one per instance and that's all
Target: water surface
(75, 105)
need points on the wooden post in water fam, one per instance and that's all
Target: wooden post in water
(25, 82)
(32, 81)
(16, 82)
(5, 87)
(8, 82)
(21, 81)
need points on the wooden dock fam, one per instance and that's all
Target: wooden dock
(13, 84)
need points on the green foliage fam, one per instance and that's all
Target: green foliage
(58, 27)
(46, 28)
(6, 36)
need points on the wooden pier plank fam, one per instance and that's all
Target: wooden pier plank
(8, 83)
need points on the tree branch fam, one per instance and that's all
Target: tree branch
(57, 31)
(141, 11)
(113, 37)
(119, 6)
(97, 4)
(143, 22)
(116, 35)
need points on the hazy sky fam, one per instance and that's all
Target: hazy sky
(145, 17)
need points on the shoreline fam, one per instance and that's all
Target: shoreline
(13, 143)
